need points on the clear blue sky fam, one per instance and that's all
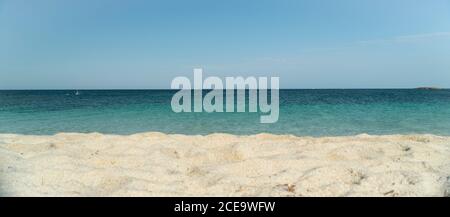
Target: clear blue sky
(51, 44)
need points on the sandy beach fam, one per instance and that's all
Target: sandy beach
(157, 164)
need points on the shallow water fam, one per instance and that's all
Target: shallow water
(302, 112)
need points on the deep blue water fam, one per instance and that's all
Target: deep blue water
(302, 112)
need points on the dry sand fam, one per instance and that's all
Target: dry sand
(156, 164)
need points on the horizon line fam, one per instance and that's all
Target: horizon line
(89, 89)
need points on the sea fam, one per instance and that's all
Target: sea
(303, 112)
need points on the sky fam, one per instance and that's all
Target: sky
(137, 44)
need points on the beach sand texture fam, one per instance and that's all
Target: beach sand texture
(157, 164)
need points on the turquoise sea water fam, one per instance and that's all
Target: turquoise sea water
(302, 112)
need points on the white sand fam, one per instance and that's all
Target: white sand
(156, 164)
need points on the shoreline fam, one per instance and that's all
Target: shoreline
(224, 134)
(158, 164)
